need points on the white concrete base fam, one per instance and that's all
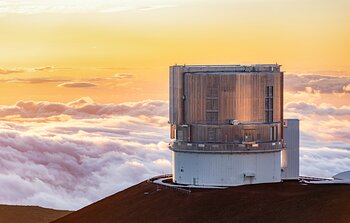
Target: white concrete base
(225, 169)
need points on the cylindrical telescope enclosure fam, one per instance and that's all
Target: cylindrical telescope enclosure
(226, 110)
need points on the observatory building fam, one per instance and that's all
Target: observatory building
(227, 124)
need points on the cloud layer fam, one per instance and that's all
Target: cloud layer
(69, 155)
(325, 143)
(33, 80)
(61, 82)
(323, 109)
(317, 83)
(82, 108)
(10, 71)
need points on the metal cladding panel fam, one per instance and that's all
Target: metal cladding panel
(203, 97)
(173, 95)
(226, 169)
(239, 96)
(291, 137)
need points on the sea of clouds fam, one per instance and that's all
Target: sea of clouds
(324, 131)
(68, 155)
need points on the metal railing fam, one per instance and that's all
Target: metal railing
(225, 148)
(174, 187)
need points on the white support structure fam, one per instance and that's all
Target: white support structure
(290, 155)
(226, 169)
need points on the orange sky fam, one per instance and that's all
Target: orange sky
(90, 42)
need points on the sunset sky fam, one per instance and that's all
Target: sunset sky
(84, 85)
(79, 41)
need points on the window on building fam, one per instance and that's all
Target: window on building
(214, 134)
(269, 91)
(183, 133)
(248, 135)
(212, 92)
(212, 104)
(212, 117)
(180, 134)
(212, 100)
(269, 104)
(273, 133)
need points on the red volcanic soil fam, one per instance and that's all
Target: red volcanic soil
(280, 202)
(28, 214)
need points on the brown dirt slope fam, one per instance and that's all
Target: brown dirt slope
(282, 202)
(28, 214)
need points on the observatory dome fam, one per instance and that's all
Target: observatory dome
(226, 124)
(342, 176)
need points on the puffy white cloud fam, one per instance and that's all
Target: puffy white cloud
(315, 83)
(325, 142)
(91, 151)
(68, 155)
(82, 108)
(347, 88)
(323, 161)
(323, 109)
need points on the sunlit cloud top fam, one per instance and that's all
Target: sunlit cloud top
(80, 6)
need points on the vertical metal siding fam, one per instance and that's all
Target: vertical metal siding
(291, 137)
